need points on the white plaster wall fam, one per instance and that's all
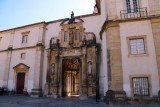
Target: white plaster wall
(53, 30)
(29, 61)
(5, 40)
(3, 56)
(93, 24)
(133, 65)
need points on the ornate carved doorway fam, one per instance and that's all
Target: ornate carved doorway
(71, 77)
(73, 53)
(20, 82)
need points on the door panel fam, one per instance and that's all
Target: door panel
(20, 82)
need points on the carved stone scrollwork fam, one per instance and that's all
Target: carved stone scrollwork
(54, 43)
(89, 39)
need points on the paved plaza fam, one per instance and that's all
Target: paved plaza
(24, 101)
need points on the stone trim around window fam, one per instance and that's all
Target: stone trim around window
(141, 76)
(144, 37)
(24, 40)
(23, 56)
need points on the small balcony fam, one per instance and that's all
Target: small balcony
(134, 13)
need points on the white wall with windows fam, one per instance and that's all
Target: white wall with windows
(131, 8)
(138, 54)
(21, 40)
(29, 60)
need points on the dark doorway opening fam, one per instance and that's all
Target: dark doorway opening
(71, 77)
(20, 82)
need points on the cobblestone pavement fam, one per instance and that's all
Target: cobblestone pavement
(23, 101)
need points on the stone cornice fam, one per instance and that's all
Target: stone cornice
(24, 27)
(113, 23)
(16, 49)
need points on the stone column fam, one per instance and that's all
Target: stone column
(114, 47)
(55, 84)
(83, 94)
(60, 77)
(37, 85)
(41, 35)
(7, 68)
(105, 67)
(8, 61)
(155, 22)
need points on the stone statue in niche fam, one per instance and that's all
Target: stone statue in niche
(90, 76)
(71, 35)
(89, 67)
(54, 43)
(90, 38)
(52, 73)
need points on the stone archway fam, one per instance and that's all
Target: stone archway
(21, 78)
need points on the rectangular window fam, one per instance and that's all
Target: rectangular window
(77, 35)
(65, 36)
(24, 38)
(137, 46)
(135, 5)
(140, 86)
(132, 6)
(23, 55)
(128, 4)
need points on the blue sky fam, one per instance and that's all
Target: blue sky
(15, 13)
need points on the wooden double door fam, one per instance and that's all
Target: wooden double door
(20, 82)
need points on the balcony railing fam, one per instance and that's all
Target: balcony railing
(134, 13)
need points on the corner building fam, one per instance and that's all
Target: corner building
(115, 48)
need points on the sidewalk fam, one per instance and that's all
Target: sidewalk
(24, 101)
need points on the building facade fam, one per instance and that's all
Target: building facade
(115, 48)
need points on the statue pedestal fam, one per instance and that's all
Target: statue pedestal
(36, 93)
(83, 97)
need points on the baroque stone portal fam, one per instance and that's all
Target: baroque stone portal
(72, 62)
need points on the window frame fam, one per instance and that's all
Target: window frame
(132, 5)
(139, 87)
(25, 36)
(24, 39)
(77, 32)
(66, 37)
(141, 76)
(144, 43)
(23, 55)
